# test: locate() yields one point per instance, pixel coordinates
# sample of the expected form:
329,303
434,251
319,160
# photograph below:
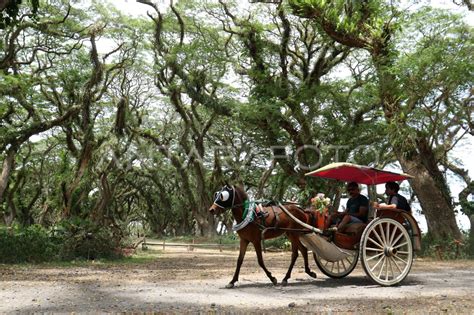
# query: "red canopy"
349,172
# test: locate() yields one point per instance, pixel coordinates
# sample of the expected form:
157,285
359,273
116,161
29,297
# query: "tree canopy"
117,119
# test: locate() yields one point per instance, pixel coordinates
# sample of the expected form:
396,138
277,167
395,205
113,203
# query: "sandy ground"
180,281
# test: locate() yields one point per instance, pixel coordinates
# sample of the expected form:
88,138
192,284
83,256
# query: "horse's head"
223,199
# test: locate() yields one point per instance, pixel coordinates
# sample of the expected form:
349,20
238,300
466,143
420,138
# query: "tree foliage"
135,121
374,28
10,11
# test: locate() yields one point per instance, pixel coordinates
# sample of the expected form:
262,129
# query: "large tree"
287,65
27,50
188,72
373,26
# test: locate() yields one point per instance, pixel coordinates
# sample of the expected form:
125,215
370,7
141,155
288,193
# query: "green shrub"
228,239
445,248
280,242
30,244
469,246
72,239
83,239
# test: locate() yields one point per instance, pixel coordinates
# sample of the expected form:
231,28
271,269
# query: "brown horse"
274,224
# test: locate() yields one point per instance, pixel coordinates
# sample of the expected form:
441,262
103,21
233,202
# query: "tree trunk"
228,225
4,4
106,195
204,220
8,164
12,215
71,201
204,225
372,194
438,212
415,156
470,249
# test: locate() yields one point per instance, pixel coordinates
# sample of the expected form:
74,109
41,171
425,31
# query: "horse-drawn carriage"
385,244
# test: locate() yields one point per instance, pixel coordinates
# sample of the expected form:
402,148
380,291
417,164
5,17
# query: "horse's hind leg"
240,260
294,256
258,249
304,253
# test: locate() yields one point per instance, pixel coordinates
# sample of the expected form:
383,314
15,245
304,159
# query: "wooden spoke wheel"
386,251
338,269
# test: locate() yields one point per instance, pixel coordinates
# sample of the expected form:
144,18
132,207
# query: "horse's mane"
241,192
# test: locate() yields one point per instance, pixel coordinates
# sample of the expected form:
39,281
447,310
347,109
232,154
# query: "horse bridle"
233,198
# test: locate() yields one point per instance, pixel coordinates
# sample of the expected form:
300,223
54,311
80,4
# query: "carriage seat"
350,237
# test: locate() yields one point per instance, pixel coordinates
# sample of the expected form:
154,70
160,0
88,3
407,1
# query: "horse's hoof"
274,280
312,274
229,286
284,282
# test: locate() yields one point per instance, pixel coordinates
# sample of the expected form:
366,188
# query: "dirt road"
191,282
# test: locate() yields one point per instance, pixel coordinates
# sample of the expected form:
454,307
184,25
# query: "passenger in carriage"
395,200
357,209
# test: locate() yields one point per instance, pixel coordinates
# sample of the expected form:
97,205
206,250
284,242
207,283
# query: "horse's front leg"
294,256
304,253
258,249
240,260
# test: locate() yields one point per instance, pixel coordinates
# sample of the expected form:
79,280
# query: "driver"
357,209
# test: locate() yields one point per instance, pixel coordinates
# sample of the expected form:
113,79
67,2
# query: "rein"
249,213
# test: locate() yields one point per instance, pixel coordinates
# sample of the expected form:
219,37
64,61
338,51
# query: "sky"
463,151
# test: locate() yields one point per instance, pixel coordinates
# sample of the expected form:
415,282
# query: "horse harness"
274,224
262,218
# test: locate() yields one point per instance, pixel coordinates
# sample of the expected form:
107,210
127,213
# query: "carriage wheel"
386,251
338,269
